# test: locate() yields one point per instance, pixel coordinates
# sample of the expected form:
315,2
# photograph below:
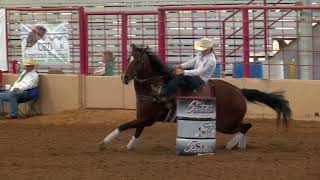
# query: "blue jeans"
13,98
191,82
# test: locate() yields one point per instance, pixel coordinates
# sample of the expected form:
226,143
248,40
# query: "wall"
57,92
71,92
104,92
108,92
60,92
302,95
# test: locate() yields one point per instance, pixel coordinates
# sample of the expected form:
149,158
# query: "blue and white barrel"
196,125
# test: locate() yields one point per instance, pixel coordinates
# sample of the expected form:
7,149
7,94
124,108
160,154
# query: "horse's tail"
274,100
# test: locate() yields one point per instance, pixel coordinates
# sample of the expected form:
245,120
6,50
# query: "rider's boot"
158,94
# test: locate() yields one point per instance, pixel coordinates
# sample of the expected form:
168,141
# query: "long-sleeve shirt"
100,69
26,80
201,65
106,69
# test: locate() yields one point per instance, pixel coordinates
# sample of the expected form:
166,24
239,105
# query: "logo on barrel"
206,130
197,147
197,106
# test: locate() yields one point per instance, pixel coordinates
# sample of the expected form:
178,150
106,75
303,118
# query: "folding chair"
33,108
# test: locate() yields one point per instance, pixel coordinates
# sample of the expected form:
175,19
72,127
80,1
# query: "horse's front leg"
135,138
114,134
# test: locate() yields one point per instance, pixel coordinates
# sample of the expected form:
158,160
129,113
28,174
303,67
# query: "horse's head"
36,34
138,65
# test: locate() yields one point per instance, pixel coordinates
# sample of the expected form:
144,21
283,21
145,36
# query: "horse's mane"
155,62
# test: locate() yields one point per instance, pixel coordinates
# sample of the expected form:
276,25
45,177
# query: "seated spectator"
24,89
107,65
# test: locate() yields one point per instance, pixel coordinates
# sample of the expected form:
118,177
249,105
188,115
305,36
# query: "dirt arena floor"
64,147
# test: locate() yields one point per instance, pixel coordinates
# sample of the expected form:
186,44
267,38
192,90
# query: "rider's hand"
178,66
179,72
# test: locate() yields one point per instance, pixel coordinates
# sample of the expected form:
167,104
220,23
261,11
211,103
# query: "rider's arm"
201,69
189,64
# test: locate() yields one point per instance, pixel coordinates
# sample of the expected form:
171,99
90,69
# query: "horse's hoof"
123,149
129,148
102,146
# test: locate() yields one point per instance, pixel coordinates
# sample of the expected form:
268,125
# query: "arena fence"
249,41
116,31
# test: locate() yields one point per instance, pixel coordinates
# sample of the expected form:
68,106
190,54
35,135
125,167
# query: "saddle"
170,102
183,90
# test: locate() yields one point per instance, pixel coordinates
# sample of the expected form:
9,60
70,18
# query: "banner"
47,44
3,41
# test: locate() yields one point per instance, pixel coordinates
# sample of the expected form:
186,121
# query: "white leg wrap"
111,136
132,143
234,141
243,142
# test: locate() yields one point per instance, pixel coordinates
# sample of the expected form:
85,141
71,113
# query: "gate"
116,31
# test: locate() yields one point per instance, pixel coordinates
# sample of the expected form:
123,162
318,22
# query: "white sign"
3,42
47,44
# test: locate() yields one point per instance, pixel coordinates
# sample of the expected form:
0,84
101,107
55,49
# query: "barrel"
256,70
196,125
217,71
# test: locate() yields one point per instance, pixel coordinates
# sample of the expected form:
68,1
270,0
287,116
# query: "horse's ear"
133,46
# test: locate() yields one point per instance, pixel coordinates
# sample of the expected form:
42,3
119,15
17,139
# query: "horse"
145,68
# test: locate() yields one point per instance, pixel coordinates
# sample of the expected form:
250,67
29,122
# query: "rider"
194,72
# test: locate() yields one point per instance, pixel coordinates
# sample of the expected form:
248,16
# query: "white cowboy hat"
203,44
29,62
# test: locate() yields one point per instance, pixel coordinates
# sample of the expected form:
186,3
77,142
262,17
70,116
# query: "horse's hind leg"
135,138
239,138
116,132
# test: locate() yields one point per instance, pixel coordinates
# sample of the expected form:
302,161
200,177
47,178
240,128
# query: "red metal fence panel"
245,38
116,31
249,41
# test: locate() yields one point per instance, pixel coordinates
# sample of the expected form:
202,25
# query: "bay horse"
145,68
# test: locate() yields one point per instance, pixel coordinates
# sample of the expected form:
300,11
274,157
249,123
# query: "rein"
144,80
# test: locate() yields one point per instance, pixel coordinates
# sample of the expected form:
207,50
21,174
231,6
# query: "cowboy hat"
29,62
203,44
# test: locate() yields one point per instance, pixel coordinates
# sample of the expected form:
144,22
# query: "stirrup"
156,90
159,99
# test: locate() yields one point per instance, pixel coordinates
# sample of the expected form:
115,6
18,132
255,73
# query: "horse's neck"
142,88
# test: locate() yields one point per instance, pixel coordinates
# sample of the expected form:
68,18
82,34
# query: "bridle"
146,71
